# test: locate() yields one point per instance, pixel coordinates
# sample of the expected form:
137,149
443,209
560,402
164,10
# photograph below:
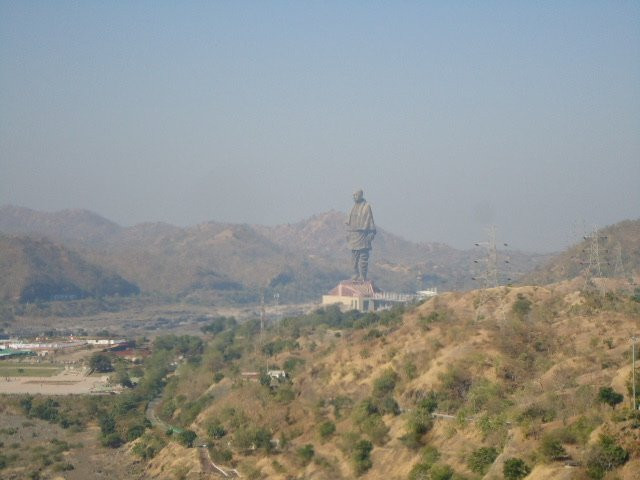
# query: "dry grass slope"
523,377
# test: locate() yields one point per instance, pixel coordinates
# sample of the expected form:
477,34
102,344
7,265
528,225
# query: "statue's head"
358,195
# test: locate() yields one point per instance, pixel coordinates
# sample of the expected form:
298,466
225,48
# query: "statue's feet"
356,278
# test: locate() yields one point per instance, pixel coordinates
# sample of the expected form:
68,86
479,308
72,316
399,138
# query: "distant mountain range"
215,260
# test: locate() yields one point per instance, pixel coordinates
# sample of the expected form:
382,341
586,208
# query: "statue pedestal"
356,288
352,295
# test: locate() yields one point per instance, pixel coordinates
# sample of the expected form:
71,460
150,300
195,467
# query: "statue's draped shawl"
360,226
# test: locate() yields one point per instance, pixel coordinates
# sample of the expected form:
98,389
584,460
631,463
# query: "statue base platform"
355,288
353,295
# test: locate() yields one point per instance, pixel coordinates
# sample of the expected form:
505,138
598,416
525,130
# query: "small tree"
605,456
480,459
522,306
100,362
362,456
515,469
107,424
385,383
112,440
187,437
306,453
609,396
551,447
216,430
326,429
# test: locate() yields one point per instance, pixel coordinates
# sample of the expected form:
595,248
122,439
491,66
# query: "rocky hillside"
537,386
37,269
216,260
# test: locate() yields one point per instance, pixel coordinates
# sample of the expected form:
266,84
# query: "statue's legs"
355,260
363,264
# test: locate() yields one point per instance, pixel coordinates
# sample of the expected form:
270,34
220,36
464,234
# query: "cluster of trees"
333,317
46,408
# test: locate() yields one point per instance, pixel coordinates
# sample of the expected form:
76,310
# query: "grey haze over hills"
215,260
34,268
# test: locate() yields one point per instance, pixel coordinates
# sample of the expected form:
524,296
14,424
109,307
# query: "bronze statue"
360,233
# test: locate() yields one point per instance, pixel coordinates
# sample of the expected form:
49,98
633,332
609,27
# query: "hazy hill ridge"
37,269
618,252
300,260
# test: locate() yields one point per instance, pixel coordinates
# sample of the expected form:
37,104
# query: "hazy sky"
450,115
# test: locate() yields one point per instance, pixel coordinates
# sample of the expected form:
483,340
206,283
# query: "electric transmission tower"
594,264
490,278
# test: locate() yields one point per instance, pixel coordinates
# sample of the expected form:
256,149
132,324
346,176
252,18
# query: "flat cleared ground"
64,383
21,369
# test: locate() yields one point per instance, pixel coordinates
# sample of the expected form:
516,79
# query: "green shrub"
456,383
326,429
292,363
248,437
26,403
107,424
186,438
522,306
410,370
285,395
339,404
480,459
385,383
605,456
441,472
46,409
420,471
148,446
388,404
216,430
305,453
111,440
221,455
579,431
429,454
63,467
609,396
362,456
551,447
134,431
375,428
515,469
535,412
419,422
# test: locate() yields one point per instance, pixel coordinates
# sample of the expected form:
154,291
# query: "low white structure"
45,345
105,341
